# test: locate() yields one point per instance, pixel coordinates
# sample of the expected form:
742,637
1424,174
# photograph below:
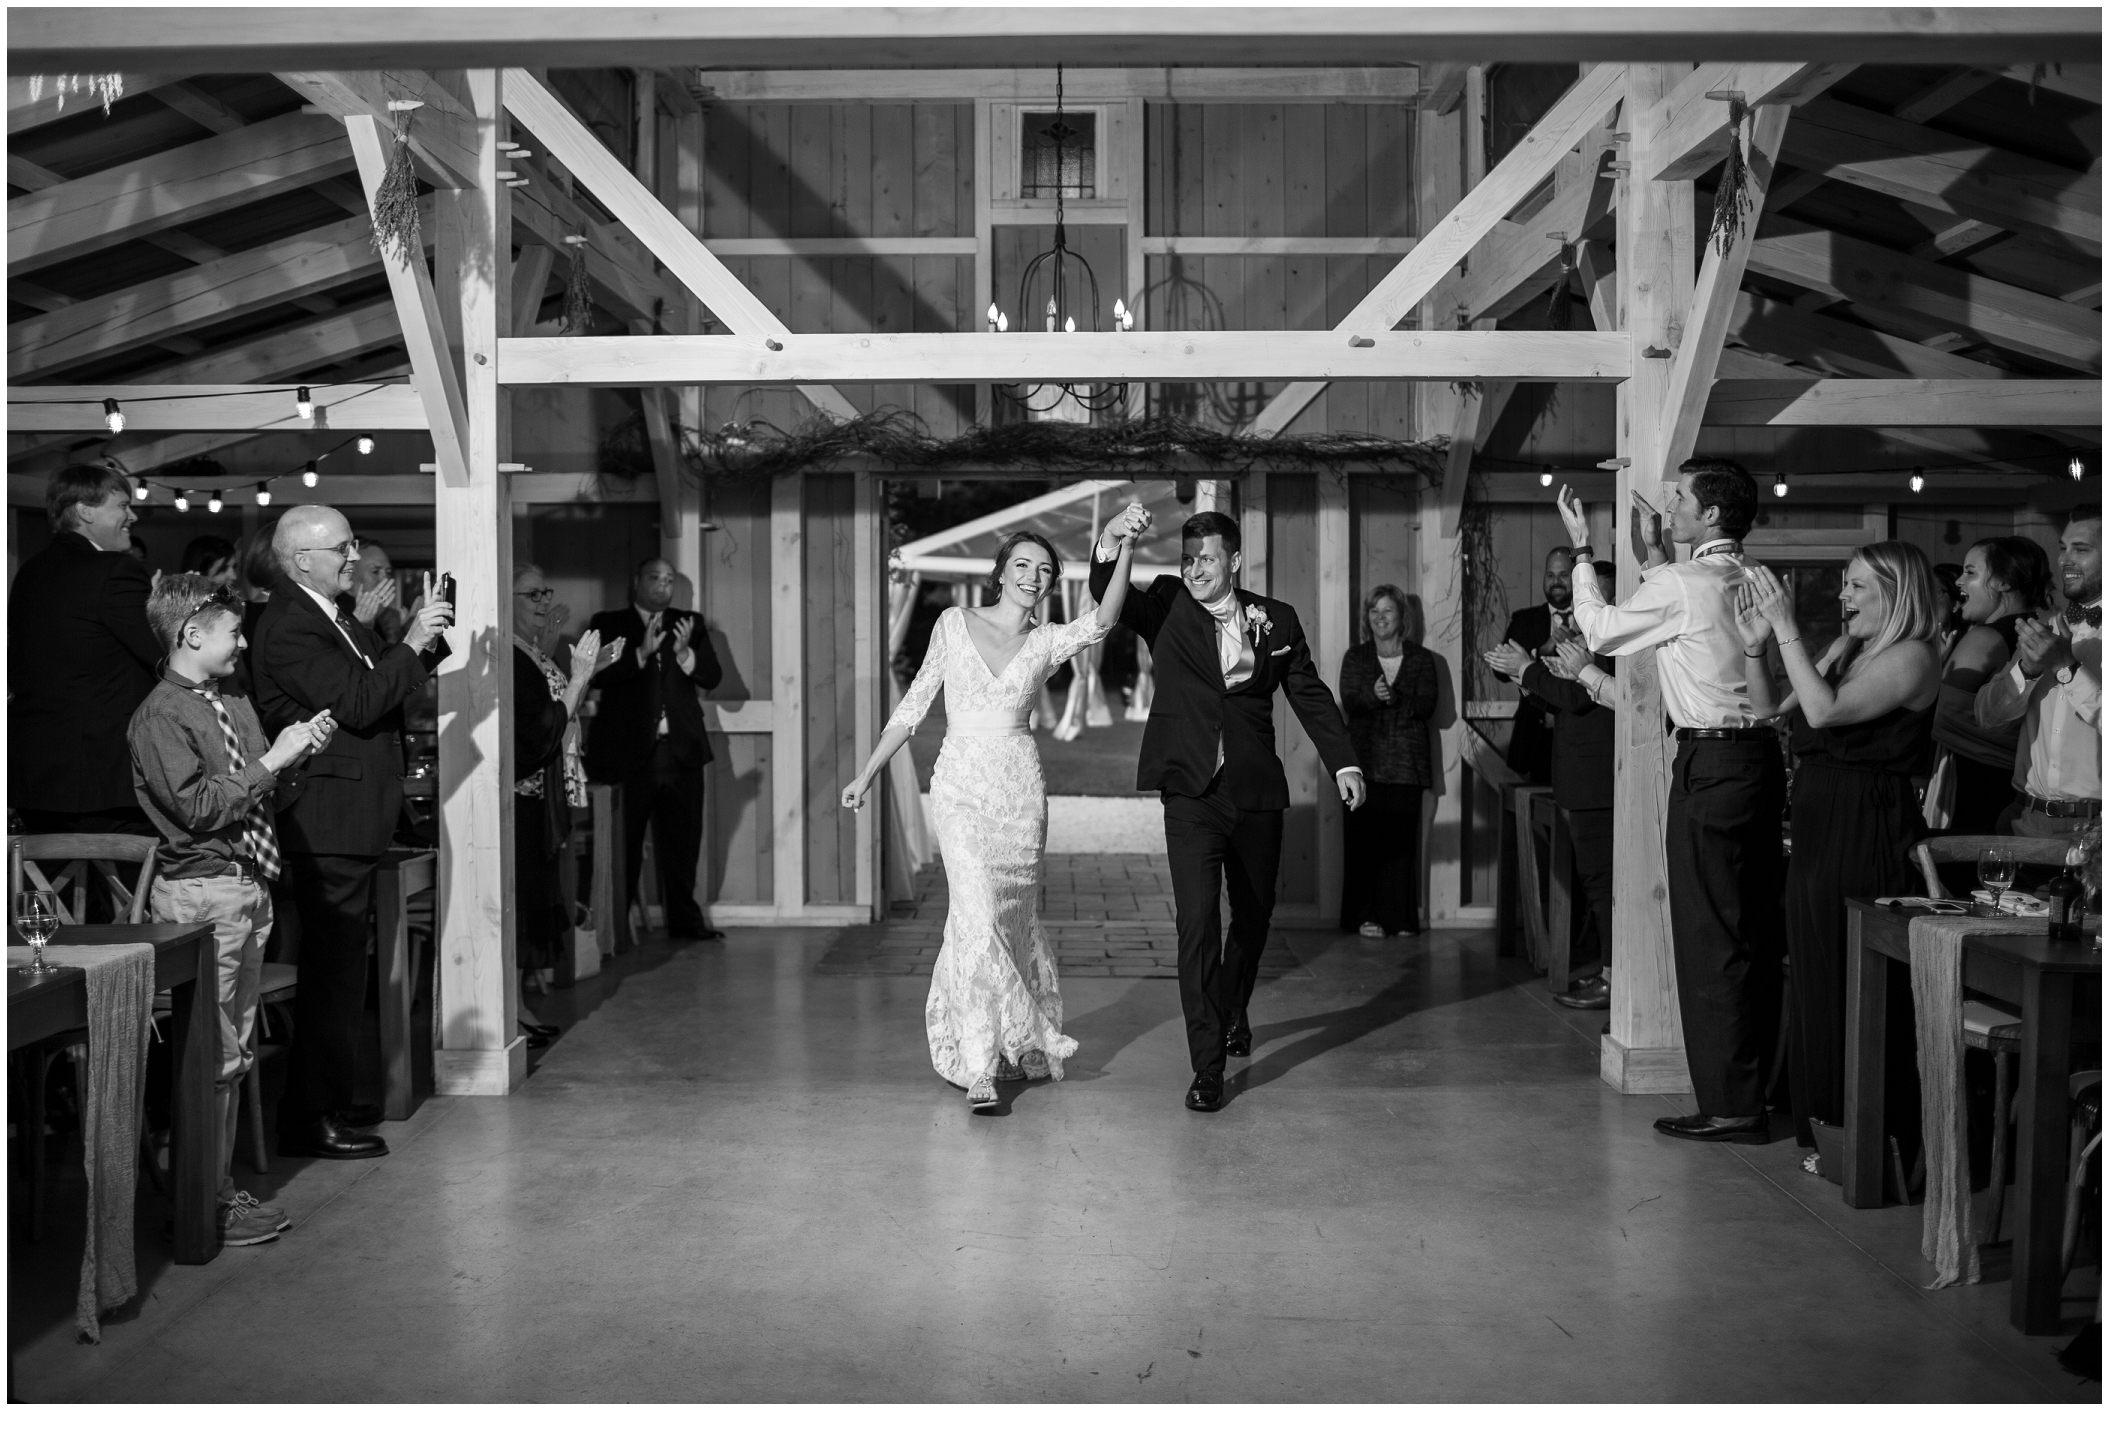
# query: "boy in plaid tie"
202,771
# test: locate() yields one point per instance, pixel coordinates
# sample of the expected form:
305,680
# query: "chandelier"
1065,278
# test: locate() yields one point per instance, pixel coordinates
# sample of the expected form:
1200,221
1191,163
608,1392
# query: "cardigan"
1391,738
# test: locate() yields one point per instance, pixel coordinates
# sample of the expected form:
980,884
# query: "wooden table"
2049,981
184,964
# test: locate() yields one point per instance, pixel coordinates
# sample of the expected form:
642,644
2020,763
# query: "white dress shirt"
2060,755
1689,610
687,668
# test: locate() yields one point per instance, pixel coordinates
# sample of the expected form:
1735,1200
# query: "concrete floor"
732,1180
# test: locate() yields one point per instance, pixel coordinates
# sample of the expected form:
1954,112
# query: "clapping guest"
211,557
1388,689
1947,583
1536,629
1861,716
376,596
2003,580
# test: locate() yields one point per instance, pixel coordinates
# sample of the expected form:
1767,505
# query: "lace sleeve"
1065,639
923,691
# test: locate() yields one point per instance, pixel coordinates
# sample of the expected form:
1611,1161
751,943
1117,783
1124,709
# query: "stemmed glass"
1995,869
37,918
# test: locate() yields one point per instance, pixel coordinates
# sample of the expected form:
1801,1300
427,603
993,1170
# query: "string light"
2076,469
310,476
263,494
304,404
1545,478
1779,484
139,491
112,417
366,446
213,505
182,501
1918,479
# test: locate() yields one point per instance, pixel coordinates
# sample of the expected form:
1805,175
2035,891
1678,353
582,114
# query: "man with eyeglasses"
312,654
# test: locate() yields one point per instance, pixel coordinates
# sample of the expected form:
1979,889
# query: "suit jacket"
637,691
1193,712
80,660
351,792
1530,742
1584,738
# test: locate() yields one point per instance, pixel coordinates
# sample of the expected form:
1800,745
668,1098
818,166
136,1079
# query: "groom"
1219,654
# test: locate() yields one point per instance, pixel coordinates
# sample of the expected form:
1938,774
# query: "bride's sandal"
982,1096
1009,1072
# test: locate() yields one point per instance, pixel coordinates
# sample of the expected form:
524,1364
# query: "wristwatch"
1579,553
2065,673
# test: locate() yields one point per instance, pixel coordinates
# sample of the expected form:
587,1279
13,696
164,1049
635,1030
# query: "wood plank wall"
739,799
1292,576
832,755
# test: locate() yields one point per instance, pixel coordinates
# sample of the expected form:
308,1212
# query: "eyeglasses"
539,594
221,597
349,551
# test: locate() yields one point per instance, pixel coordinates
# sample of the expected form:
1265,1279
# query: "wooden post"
480,1054
1644,1050
788,688
1331,632
869,668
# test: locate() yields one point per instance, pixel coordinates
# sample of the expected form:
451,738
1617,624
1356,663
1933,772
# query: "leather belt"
1723,734
2062,806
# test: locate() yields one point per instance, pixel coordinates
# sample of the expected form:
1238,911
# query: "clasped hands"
2041,647
1125,529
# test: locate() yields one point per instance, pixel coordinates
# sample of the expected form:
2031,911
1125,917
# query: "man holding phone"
312,654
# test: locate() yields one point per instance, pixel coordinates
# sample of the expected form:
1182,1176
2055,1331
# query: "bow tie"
1224,609
2076,614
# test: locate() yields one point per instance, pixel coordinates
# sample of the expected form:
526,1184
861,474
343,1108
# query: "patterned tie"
2076,614
338,616
259,842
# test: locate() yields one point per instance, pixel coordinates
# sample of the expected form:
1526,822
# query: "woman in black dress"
1387,686
2004,579
1861,715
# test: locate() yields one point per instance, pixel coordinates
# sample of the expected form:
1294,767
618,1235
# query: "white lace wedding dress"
995,1004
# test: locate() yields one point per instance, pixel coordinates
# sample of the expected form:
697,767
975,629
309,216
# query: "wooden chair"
32,865
2040,851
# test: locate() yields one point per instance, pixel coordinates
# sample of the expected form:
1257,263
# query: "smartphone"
446,588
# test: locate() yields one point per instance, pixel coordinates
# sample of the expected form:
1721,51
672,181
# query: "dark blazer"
80,660
1193,711
1584,738
637,691
1530,742
539,721
351,792
1391,737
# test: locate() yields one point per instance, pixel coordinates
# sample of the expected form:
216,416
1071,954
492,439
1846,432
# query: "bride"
995,1008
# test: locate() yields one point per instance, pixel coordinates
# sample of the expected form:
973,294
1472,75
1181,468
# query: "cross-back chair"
2034,851
34,864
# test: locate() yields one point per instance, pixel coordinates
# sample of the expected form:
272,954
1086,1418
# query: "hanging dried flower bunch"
578,293
395,220
105,87
1731,203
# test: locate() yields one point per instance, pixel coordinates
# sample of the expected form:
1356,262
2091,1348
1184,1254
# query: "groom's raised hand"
1351,789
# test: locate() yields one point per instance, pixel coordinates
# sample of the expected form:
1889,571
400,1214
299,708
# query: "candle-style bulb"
304,404
1069,325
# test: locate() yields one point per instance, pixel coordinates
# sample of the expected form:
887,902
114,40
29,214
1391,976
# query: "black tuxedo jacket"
1193,711
1584,740
637,691
1530,742
80,660
350,793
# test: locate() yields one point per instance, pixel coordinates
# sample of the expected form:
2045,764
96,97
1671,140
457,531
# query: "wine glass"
1995,869
37,918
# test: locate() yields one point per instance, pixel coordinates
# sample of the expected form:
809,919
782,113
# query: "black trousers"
670,798
1212,843
1590,827
1380,878
1725,876
333,896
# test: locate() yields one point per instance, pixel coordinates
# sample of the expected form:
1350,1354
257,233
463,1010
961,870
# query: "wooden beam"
620,273
1714,302
1834,345
2081,81
417,312
787,689
1692,131
1267,245
442,132
50,103
2019,320
1520,260
1850,401
1187,84
237,40
1442,86
1449,240
173,305
294,350
1944,95
1948,174
194,104
1599,283
844,246
1028,356
339,407
656,228
530,284
171,187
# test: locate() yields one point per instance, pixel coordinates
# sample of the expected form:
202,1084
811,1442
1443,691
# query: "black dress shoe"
1595,993
1237,1042
330,1138
1701,1128
697,934
534,1030
359,1115
1206,1094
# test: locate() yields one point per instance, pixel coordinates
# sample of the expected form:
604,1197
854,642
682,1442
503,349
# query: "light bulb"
213,505
139,491
1069,325
1779,488
1545,478
304,404
263,495
112,417
1918,479
1003,321
995,316
366,446
2076,469
1120,309
310,477
182,501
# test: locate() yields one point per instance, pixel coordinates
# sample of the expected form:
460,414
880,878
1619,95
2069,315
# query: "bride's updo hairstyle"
1011,544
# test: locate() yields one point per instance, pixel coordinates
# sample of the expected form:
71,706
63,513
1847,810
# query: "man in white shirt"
2055,687
1727,793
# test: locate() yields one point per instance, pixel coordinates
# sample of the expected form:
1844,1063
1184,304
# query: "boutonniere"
1256,621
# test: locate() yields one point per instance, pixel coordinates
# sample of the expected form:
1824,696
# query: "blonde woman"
1862,715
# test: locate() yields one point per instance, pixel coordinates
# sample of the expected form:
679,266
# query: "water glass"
1995,869
37,918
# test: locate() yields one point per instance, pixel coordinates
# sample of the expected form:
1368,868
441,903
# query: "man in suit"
1580,690
80,660
1536,630
647,737
1208,750
312,654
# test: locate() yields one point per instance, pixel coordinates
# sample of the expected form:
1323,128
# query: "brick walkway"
1109,915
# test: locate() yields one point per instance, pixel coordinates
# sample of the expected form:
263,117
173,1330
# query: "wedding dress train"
995,1003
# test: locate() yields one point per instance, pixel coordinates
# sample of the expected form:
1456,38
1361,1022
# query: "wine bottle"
2063,894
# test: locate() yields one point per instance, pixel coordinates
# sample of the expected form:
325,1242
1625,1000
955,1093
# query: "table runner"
1948,1235
120,984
